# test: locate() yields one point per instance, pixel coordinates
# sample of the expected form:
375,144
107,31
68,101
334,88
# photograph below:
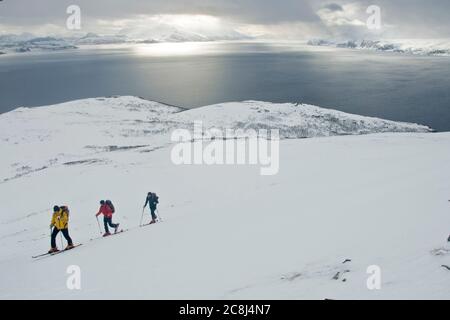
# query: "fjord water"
391,86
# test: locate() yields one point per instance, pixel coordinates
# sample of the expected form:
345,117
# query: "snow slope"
376,199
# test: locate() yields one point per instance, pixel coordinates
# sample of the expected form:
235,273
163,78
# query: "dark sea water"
392,86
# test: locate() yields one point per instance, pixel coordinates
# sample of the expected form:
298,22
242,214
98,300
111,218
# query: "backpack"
64,209
110,205
154,199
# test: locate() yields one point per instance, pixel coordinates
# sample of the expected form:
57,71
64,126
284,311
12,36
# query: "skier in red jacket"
107,209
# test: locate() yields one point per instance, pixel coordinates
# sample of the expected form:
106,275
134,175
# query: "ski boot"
107,234
153,221
70,246
53,250
117,228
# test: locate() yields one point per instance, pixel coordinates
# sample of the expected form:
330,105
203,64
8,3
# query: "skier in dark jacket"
152,201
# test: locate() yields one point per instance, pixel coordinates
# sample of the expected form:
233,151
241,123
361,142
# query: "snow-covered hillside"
95,127
375,199
430,47
293,120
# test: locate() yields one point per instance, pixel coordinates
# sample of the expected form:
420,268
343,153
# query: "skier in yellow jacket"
60,222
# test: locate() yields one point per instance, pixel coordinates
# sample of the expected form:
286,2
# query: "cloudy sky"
289,19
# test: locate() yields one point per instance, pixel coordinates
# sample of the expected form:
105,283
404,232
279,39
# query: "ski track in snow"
339,204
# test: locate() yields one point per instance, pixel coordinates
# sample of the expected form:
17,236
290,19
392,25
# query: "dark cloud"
249,11
333,7
405,18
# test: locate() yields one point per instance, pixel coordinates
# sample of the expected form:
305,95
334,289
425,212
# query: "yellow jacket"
60,220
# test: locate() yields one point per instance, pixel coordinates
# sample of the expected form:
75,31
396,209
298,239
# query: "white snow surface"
376,196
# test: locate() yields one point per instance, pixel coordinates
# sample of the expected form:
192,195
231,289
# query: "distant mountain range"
27,42
430,47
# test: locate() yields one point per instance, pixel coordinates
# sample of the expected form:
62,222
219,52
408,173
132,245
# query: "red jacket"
105,210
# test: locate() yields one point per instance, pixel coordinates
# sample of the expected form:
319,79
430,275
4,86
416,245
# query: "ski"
149,224
56,253
111,235
116,233
41,255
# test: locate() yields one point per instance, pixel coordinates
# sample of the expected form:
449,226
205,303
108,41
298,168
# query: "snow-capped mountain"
94,39
159,33
339,205
440,47
183,36
161,30
27,42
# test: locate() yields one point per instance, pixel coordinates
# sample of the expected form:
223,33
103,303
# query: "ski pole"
98,223
159,216
61,238
142,216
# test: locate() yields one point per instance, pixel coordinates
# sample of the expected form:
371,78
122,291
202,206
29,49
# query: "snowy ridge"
91,126
293,120
103,125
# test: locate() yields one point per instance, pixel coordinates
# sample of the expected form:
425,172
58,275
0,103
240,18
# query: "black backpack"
110,205
153,199
65,209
